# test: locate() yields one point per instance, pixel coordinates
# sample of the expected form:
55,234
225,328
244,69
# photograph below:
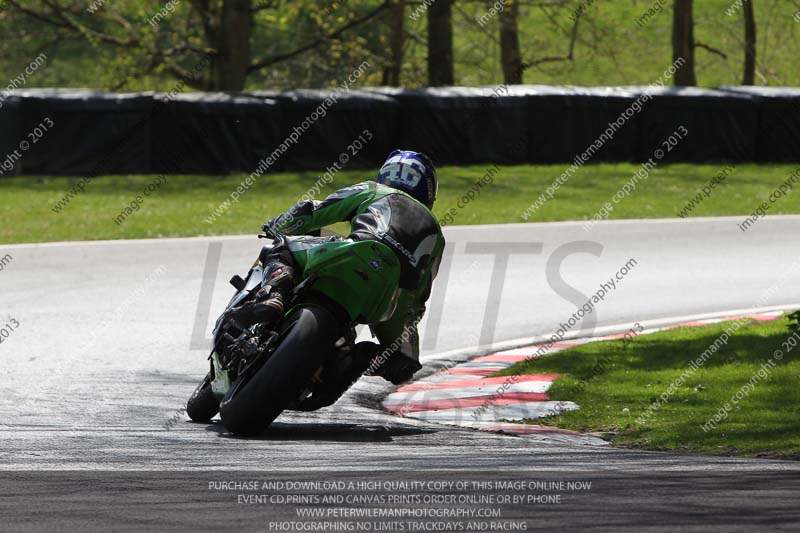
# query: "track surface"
100,366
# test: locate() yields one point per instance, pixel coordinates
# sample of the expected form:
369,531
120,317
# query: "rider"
394,210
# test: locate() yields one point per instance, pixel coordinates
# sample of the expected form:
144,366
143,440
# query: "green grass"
615,385
181,206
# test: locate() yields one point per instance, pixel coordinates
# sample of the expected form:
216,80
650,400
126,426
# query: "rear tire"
202,405
259,395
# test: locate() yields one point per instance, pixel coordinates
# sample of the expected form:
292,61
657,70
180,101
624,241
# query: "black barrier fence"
778,128
214,133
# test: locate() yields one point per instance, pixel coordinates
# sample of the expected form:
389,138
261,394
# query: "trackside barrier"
216,133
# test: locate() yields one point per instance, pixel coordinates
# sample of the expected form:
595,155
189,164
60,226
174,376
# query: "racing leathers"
392,217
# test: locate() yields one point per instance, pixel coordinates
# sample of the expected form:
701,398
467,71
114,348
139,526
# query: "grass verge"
646,395
181,206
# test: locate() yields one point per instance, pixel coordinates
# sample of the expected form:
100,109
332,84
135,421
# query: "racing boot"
398,368
268,305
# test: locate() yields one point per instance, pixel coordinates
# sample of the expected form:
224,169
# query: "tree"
440,43
683,44
231,38
207,44
749,76
510,56
391,73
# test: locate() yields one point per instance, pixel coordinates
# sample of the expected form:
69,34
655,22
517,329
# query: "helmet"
411,172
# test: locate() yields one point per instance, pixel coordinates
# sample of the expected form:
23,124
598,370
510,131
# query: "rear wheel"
202,405
261,393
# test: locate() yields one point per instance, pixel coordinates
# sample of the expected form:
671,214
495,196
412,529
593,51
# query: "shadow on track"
281,431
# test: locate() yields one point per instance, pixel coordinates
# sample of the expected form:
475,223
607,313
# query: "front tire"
259,395
202,405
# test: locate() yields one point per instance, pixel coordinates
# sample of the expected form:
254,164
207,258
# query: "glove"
398,369
270,227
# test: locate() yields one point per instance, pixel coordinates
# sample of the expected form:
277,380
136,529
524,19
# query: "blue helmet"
411,172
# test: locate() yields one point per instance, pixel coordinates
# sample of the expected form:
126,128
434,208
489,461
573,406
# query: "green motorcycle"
306,360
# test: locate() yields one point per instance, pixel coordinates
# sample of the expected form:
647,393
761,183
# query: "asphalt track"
101,363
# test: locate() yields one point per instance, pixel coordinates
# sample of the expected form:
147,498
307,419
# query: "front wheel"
202,405
260,394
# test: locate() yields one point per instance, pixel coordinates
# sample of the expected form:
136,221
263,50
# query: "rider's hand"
269,227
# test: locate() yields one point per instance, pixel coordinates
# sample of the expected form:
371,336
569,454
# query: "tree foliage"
279,44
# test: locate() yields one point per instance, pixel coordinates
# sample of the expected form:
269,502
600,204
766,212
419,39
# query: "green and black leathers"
384,214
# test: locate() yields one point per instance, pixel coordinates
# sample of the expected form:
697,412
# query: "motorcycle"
306,360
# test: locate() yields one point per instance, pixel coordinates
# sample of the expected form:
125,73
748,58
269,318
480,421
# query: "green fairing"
361,276
344,205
